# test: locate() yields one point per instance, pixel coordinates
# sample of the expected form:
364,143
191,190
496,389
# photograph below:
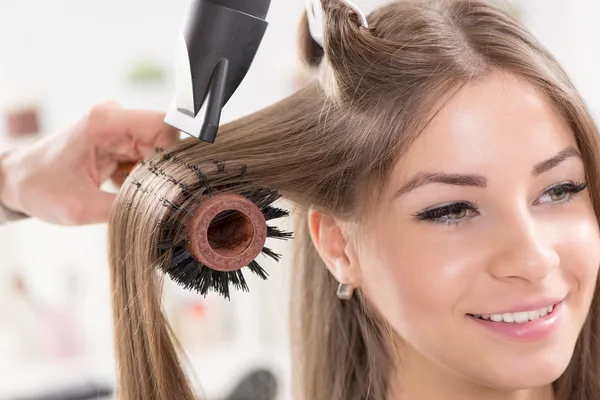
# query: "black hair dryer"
215,49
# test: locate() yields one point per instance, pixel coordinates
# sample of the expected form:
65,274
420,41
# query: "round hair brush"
216,229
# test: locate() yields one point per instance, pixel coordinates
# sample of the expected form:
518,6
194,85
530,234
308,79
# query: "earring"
344,291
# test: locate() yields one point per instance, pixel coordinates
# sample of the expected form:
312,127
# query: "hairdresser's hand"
58,178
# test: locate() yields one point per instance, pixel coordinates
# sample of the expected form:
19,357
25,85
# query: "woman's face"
487,227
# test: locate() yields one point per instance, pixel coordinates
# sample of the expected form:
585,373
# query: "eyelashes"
458,212
448,214
561,189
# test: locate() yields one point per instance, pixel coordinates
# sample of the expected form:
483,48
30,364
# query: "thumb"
97,207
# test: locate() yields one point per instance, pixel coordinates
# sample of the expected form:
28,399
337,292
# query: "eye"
449,214
561,193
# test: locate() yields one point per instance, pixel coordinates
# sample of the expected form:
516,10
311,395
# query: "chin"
535,379
527,372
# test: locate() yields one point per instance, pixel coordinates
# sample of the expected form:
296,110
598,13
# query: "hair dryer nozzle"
216,47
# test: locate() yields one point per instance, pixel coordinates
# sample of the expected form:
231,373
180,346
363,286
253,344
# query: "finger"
145,126
122,172
147,149
144,129
97,207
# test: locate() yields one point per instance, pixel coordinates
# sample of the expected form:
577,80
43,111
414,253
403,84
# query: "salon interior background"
58,58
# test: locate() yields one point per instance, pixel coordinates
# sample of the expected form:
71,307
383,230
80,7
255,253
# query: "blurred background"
60,57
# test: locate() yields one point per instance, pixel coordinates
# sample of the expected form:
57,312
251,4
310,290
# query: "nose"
524,251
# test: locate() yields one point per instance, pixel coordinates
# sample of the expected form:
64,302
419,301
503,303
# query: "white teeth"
521,317
534,315
518,317
496,317
508,317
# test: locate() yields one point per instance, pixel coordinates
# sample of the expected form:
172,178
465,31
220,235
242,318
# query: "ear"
330,238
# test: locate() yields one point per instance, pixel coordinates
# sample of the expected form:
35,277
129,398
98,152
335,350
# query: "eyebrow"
479,181
550,163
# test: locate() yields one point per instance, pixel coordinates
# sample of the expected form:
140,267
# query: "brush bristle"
274,213
277,233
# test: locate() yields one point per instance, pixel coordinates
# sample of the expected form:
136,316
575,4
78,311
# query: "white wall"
568,29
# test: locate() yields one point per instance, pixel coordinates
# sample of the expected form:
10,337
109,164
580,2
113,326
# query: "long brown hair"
327,146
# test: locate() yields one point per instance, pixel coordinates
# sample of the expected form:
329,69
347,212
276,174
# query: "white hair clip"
316,18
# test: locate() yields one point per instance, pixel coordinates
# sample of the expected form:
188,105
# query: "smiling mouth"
518,317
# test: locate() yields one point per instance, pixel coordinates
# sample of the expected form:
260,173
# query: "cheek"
416,279
579,251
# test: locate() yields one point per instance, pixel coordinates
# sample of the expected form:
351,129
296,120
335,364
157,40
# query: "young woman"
445,173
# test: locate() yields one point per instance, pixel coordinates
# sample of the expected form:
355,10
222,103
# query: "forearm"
6,214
